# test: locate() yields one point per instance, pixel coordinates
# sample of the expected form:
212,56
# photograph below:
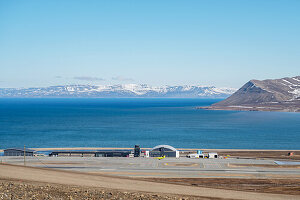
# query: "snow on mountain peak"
125,90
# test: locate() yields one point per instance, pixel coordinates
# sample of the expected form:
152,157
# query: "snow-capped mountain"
266,95
126,90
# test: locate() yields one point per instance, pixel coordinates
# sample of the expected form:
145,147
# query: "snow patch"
240,106
126,90
295,79
296,93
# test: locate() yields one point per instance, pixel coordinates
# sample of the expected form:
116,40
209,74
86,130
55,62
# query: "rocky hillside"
267,95
111,91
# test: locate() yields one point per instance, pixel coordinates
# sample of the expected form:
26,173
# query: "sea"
125,122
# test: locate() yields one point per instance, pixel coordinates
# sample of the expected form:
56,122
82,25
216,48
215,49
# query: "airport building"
101,153
112,153
164,150
18,152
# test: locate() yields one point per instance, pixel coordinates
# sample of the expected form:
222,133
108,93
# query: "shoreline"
232,153
251,108
147,148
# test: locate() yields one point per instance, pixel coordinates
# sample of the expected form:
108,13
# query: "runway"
93,180
166,168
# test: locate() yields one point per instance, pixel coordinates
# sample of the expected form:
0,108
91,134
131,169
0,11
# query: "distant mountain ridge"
126,90
267,95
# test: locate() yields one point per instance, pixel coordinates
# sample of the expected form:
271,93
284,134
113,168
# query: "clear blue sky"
222,43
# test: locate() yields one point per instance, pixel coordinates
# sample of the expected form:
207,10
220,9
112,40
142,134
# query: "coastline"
129,148
278,154
251,108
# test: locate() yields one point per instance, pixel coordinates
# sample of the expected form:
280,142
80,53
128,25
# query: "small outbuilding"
213,155
164,150
195,155
18,152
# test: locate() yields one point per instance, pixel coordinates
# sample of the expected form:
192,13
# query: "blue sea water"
148,122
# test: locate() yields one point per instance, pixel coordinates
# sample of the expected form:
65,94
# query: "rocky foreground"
13,189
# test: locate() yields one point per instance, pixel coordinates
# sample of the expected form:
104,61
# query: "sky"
170,42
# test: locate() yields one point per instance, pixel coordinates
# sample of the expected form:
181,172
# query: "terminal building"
18,152
100,153
164,150
157,151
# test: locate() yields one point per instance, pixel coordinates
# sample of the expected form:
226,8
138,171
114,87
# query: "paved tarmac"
168,167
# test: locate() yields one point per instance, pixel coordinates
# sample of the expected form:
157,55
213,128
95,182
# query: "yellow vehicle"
159,158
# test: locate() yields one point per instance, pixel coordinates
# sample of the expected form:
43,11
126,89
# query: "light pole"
24,156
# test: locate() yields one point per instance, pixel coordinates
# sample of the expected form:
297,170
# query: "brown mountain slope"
267,95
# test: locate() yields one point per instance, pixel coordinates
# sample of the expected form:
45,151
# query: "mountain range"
266,95
126,90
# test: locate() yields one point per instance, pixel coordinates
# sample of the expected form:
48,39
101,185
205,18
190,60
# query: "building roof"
89,152
164,146
19,149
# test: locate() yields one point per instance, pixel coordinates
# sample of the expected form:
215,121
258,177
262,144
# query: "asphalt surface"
168,167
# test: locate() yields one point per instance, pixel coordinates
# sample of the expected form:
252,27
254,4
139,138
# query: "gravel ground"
274,186
13,189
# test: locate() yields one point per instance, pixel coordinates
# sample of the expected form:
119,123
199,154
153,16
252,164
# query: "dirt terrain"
18,189
262,154
275,186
